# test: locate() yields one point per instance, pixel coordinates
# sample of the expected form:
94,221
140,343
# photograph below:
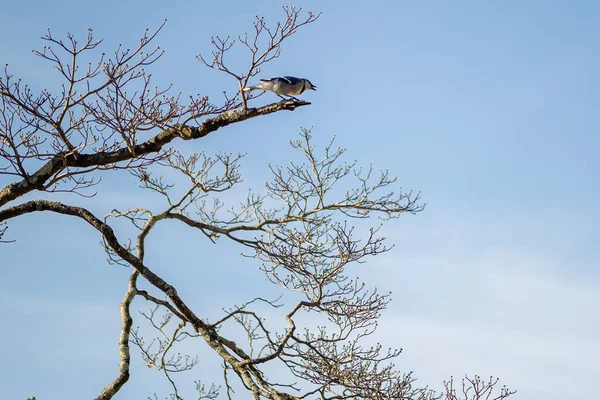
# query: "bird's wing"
291,80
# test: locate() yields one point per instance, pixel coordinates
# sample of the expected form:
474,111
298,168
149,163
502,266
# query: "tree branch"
124,354
248,373
63,160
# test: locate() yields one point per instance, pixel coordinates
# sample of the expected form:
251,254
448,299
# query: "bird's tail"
264,84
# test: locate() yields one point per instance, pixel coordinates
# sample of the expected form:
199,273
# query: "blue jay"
284,86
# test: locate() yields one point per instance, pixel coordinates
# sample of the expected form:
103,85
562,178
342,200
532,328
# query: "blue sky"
488,108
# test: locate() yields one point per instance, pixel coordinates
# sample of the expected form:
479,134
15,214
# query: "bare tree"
108,118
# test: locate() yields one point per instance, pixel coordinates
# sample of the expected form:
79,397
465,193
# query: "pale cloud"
477,302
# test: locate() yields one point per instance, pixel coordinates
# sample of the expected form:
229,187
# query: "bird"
284,86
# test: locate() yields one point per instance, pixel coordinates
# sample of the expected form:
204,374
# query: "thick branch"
63,160
250,376
124,354
111,239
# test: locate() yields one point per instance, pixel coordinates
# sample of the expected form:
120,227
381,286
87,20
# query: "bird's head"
309,85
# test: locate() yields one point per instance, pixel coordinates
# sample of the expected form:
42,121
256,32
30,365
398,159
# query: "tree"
107,118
